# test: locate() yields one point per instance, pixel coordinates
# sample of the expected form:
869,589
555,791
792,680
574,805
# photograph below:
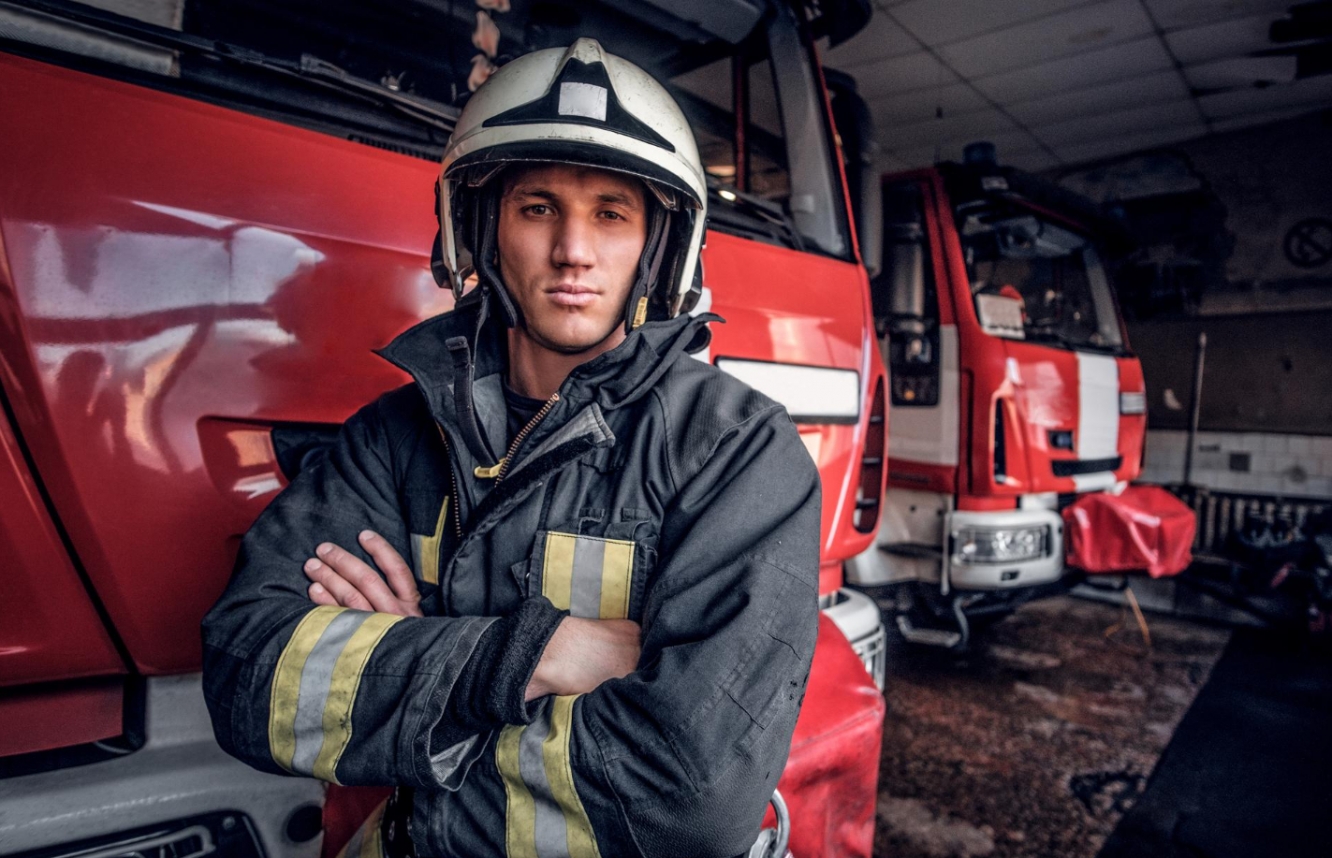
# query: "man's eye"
538,209
613,215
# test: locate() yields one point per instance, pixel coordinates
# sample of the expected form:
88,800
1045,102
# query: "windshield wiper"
772,214
1047,337
1061,340
310,68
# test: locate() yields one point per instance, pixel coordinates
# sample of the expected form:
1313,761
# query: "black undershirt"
520,410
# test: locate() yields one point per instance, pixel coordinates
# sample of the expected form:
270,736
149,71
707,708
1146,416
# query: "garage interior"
1071,728
1112,713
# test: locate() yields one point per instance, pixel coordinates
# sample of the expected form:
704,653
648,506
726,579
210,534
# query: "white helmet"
580,106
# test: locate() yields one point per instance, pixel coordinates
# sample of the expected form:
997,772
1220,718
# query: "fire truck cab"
211,212
1013,390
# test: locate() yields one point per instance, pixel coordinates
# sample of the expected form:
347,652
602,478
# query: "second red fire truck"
1013,393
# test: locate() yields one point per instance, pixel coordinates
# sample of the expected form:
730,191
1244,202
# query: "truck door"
50,630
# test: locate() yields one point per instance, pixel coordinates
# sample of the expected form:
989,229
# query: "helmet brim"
576,153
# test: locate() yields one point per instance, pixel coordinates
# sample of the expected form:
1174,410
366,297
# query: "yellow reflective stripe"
617,570
428,559
557,570
559,772
342,692
520,816
287,683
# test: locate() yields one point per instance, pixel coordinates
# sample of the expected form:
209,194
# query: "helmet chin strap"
649,266
485,241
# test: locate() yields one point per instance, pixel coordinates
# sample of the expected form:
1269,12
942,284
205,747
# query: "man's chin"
568,343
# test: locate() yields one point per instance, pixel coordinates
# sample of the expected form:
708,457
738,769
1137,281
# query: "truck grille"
224,835
872,650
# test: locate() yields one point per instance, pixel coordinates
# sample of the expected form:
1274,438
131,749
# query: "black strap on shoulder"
461,352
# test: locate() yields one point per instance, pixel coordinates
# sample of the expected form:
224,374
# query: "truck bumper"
180,774
963,574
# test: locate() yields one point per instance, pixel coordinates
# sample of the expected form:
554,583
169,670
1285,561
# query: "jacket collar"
613,379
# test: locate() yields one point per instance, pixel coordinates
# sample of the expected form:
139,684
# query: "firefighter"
561,590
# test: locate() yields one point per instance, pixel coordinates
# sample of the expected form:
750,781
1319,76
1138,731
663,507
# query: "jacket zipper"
503,466
453,483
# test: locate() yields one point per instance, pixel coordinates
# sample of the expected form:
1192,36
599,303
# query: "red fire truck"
211,211
1013,391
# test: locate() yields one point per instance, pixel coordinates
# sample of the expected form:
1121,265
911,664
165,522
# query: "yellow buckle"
489,473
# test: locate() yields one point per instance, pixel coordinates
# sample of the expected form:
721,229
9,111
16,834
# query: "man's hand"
342,579
582,654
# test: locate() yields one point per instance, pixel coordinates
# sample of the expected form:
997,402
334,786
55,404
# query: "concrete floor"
1037,742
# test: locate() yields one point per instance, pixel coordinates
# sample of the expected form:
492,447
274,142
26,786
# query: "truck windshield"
1034,279
395,73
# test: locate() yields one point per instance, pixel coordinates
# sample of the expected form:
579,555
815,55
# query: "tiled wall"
1250,462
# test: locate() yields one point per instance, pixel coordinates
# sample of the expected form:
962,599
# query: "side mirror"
902,301
855,127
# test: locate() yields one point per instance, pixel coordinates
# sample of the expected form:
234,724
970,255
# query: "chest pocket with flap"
589,576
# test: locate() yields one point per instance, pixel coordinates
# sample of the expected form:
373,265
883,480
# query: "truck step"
927,636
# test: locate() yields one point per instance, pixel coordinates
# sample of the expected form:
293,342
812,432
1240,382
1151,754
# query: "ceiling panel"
1075,31
971,126
1120,62
1154,88
1068,81
1249,120
1172,14
902,74
1105,148
1313,93
1121,123
921,104
880,39
1240,73
939,23
1224,39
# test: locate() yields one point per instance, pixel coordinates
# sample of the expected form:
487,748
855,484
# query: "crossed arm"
580,656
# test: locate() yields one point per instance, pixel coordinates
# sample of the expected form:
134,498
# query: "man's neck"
538,371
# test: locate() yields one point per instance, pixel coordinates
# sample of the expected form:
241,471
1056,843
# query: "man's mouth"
572,295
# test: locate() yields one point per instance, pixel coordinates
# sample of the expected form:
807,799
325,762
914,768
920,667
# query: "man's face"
569,243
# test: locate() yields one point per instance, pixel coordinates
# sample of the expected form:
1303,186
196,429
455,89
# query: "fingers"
333,585
351,581
397,571
320,596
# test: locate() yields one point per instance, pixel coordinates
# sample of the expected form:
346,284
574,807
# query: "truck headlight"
1001,544
1133,402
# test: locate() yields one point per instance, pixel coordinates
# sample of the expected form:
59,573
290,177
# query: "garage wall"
1232,230
1263,372
1226,224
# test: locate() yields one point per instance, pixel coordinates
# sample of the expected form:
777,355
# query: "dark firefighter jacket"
655,487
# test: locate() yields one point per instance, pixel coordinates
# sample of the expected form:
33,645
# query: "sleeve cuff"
525,634
490,690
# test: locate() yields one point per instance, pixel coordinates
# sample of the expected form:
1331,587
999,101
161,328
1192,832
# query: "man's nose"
575,244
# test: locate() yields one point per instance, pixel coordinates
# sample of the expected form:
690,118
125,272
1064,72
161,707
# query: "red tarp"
1144,529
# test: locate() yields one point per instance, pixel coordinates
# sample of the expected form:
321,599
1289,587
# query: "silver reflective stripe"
316,678
585,596
551,840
